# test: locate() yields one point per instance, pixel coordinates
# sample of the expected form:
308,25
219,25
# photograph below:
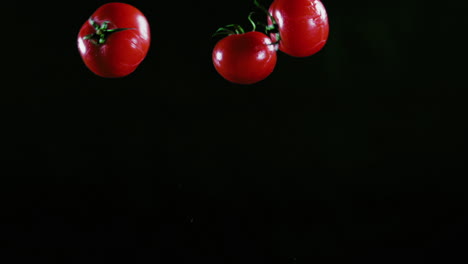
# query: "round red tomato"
114,40
302,24
244,58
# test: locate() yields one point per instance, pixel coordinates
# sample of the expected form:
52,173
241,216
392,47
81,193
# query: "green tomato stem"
268,29
257,4
273,28
226,30
102,32
93,24
254,26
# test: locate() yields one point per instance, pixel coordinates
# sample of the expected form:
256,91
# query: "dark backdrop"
355,153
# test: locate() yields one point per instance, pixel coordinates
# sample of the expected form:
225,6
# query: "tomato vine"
267,29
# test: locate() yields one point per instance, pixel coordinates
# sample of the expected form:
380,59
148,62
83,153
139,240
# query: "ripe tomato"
244,58
114,40
302,24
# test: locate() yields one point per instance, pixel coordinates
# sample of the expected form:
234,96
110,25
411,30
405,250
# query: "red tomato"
114,40
302,24
244,58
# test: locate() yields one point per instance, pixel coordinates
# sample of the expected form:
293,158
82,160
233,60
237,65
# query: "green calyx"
102,32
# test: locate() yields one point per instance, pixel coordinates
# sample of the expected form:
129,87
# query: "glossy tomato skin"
122,51
303,26
244,58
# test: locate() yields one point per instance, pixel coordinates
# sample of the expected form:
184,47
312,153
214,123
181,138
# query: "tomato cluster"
116,39
298,28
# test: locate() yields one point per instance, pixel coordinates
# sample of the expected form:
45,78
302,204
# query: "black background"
355,153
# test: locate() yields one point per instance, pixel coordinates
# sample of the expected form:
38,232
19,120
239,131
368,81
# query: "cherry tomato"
114,40
244,58
302,24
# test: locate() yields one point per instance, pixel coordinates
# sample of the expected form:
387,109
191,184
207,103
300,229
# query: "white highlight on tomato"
261,55
321,11
144,28
219,55
279,18
312,23
81,46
